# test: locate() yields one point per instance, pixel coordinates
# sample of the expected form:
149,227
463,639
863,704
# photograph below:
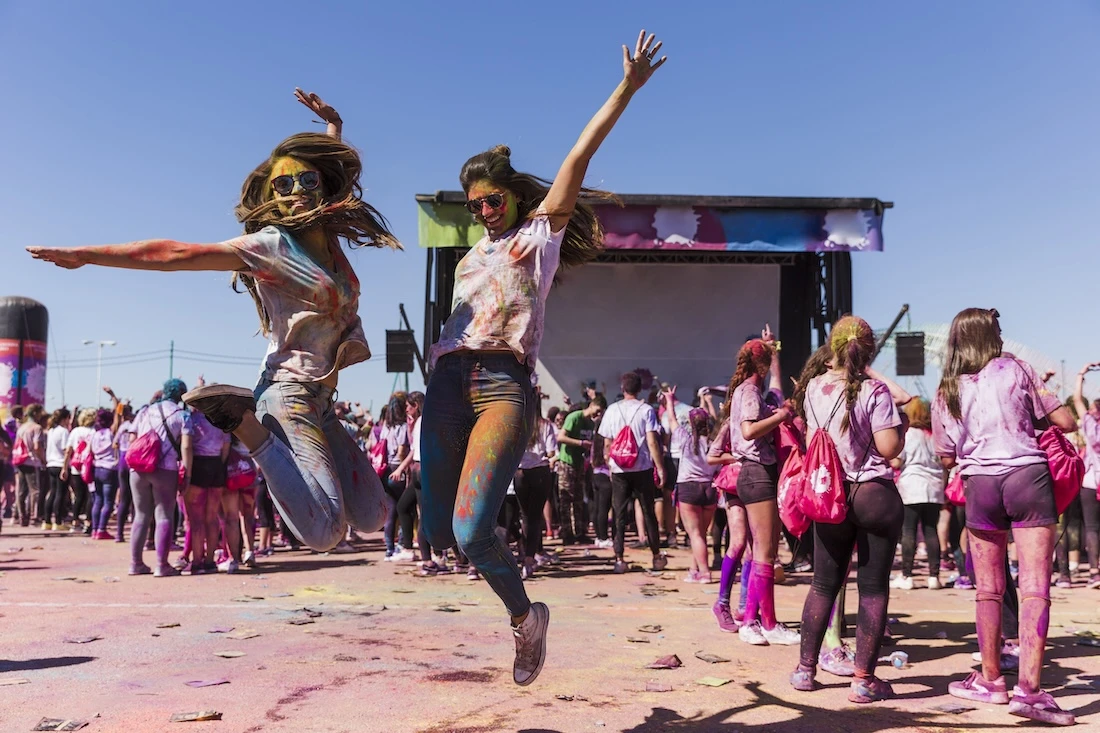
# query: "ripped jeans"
315,473
479,413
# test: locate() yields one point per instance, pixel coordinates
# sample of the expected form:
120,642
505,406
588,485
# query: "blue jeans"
316,475
479,413
106,488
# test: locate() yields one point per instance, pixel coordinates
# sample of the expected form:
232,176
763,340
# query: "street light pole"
99,367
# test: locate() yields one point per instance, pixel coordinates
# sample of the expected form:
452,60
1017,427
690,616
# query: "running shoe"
142,569
802,679
1039,706
839,661
605,544
621,567
1064,582
230,566
1094,581
223,405
249,559
530,644
870,690
660,562
977,688
165,571
472,574
726,622
902,582
963,583
934,583
752,633
782,636
345,548
1010,657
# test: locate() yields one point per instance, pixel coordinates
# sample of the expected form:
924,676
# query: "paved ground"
383,655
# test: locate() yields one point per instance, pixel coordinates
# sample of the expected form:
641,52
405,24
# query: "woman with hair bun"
479,408
296,207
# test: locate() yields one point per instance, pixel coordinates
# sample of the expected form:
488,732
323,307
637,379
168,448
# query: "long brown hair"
753,359
815,366
583,238
973,341
853,345
342,214
919,415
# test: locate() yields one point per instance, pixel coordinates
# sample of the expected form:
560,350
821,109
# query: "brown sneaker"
222,404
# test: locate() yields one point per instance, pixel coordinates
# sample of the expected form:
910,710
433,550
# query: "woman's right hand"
70,259
638,68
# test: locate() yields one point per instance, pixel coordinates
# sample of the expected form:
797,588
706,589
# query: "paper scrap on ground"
710,658
168,625
206,683
712,681
593,596
300,621
228,655
59,724
953,708
220,630
651,629
637,640
670,662
658,687
243,634
13,681
191,717
81,639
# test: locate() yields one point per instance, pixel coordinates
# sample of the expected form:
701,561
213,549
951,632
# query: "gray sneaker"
222,404
530,644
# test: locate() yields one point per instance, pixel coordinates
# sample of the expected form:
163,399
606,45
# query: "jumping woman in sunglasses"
296,207
480,407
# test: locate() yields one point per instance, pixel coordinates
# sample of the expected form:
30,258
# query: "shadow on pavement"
10,665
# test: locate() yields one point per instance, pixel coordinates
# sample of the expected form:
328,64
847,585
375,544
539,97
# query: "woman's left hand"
325,111
638,68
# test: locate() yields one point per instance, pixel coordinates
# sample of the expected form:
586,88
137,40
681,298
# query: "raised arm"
150,254
1079,402
899,395
637,69
326,112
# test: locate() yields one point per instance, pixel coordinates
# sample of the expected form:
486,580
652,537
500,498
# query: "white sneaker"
752,634
934,583
781,635
605,544
530,644
229,566
902,582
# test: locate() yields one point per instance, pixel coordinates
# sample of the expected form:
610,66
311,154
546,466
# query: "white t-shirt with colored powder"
642,420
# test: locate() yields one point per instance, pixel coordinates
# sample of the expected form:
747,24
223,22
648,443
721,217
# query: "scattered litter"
710,658
1088,642
81,639
593,596
36,547
343,658
469,603
168,625
228,655
300,621
649,589
206,683
83,580
571,698
312,613
14,681
637,640
712,681
65,577
220,630
941,634
59,724
448,609
1084,633
111,579
191,717
281,595
651,629
247,599
403,590
670,662
243,634
13,550
953,708
658,687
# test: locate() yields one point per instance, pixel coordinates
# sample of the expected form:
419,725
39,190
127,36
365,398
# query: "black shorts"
697,493
757,482
1023,497
208,472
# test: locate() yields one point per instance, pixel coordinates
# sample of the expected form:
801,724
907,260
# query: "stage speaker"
400,350
909,348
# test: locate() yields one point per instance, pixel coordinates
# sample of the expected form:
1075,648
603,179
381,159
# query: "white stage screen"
683,322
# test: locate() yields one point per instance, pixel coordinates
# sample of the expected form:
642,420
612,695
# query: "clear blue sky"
129,120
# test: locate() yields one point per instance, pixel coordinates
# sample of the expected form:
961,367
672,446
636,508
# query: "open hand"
766,335
326,112
638,68
70,259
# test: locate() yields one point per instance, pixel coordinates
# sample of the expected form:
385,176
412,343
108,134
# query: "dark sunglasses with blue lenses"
284,185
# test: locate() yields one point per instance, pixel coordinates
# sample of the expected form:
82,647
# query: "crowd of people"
473,467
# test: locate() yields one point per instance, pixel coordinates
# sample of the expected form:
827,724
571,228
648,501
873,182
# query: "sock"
725,585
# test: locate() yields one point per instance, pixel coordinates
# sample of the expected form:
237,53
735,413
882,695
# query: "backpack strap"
168,431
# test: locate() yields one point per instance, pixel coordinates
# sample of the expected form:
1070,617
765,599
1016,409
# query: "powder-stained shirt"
921,479
748,405
162,417
873,411
315,325
206,440
693,459
545,443
998,406
104,454
500,293
1090,430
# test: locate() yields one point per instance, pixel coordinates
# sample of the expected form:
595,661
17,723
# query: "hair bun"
502,150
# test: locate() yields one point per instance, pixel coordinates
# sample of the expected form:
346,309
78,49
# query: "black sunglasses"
284,185
495,201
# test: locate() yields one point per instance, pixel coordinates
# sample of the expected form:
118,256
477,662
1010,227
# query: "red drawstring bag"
1066,467
726,480
821,495
792,485
956,491
624,449
19,453
378,455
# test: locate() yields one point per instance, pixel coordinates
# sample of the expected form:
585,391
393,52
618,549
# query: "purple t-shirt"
693,460
175,419
874,410
998,405
207,441
748,405
103,449
395,437
1090,430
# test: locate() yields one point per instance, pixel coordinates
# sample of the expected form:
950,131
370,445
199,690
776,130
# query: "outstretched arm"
149,254
1079,402
637,69
326,112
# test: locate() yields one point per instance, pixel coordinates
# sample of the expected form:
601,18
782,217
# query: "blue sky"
130,120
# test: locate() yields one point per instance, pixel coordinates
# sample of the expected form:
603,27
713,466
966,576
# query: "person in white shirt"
632,474
57,437
921,487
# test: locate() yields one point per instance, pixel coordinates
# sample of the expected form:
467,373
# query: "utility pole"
171,358
98,367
